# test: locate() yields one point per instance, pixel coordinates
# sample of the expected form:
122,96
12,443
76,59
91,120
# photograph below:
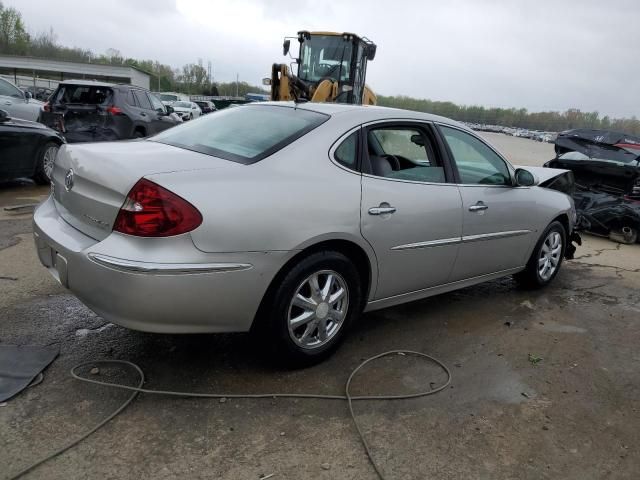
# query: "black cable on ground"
139,389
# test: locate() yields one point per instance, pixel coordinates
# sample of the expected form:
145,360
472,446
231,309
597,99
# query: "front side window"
8,90
404,153
155,103
244,134
476,162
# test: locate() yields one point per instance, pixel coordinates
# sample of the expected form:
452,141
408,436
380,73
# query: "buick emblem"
68,180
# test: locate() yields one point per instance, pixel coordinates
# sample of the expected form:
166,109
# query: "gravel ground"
571,415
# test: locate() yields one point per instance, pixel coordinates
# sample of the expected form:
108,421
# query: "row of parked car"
31,131
537,135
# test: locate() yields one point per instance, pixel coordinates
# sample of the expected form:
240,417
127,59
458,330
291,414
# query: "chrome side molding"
130,266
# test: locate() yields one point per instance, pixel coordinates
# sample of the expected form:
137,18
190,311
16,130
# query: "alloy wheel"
550,255
49,159
318,309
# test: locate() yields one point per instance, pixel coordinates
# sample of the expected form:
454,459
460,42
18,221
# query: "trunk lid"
91,181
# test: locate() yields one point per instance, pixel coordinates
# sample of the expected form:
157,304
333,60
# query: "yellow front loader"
332,67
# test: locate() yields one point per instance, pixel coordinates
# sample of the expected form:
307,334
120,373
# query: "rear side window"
347,153
131,99
142,99
243,134
84,95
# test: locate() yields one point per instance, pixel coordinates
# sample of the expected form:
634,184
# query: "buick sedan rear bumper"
128,281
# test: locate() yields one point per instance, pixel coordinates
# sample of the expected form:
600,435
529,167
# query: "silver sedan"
291,220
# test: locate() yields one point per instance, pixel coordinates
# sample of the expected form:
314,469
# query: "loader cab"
340,57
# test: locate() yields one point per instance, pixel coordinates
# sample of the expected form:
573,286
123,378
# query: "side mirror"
371,51
524,178
285,47
266,81
169,109
27,96
4,116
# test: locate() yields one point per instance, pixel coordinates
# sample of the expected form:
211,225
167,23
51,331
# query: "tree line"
192,78
513,117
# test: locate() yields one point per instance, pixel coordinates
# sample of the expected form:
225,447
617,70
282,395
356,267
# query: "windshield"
322,56
245,134
182,104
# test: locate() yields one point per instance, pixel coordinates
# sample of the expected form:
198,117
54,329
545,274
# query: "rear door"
18,146
411,210
144,112
497,217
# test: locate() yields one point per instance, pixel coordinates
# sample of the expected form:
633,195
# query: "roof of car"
95,83
366,112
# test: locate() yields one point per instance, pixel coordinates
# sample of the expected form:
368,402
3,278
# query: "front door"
496,232
410,214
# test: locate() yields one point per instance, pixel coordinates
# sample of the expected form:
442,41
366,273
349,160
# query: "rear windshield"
245,134
168,98
84,94
182,104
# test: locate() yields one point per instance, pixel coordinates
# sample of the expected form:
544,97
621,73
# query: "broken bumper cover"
199,292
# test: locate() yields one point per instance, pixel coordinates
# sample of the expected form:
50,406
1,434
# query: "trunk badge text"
68,180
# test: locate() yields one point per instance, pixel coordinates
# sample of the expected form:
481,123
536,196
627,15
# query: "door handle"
8,103
478,207
142,114
381,210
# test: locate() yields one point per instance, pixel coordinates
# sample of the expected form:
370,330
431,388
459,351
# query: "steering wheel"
393,160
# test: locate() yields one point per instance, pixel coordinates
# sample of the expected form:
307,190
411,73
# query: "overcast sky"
537,54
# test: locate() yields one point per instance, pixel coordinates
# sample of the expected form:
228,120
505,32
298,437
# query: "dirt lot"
572,415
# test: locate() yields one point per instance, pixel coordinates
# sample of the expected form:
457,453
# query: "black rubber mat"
19,365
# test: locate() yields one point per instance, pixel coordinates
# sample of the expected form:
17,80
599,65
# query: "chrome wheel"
318,309
550,255
49,159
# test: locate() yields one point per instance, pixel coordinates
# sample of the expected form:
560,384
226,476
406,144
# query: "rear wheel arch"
349,249
139,130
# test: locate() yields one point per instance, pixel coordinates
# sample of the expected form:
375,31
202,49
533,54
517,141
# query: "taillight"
113,110
46,107
153,211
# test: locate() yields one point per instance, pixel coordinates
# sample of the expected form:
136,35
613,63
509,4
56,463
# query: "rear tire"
45,162
306,316
546,259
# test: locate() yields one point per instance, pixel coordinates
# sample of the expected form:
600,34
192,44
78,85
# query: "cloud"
543,55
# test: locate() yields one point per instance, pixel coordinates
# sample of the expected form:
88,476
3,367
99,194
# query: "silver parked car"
17,103
290,220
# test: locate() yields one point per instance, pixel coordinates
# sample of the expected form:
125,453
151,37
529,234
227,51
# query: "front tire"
546,259
45,162
306,317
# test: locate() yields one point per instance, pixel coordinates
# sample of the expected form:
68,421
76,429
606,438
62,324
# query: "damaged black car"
606,168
